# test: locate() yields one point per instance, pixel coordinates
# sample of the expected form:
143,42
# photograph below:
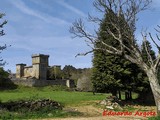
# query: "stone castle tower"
38,69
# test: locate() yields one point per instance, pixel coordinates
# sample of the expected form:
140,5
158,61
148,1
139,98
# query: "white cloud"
73,9
45,17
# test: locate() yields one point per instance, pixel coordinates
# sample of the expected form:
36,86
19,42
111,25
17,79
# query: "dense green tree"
3,75
55,72
114,73
5,83
68,70
110,72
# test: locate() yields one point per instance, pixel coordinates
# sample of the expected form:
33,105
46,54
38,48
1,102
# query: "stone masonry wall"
28,72
41,83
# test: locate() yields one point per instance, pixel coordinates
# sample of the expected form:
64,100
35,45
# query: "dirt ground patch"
100,118
89,110
93,113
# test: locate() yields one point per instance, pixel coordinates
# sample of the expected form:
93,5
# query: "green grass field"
55,93
58,93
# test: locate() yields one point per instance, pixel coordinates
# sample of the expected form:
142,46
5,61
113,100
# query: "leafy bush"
5,82
3,75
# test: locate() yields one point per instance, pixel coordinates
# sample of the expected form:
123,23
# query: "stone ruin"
36,75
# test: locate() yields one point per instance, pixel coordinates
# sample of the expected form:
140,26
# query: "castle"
38,69
36,75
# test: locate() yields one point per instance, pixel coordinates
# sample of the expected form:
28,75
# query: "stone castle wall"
28,72
42,83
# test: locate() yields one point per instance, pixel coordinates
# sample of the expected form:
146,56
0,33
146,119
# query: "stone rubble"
111,103
30,105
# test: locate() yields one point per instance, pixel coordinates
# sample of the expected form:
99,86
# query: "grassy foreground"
57,93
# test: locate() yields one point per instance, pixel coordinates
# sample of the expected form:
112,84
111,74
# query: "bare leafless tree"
2,23
129,9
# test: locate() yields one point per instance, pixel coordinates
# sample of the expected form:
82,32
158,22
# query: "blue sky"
42,26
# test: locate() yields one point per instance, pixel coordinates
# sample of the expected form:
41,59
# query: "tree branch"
150,60
158,47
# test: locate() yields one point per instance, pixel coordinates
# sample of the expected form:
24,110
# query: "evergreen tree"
110,72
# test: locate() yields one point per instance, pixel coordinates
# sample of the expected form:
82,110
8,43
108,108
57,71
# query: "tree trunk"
93,90
126,95
119,92
114,93
130,95
155,87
